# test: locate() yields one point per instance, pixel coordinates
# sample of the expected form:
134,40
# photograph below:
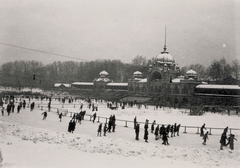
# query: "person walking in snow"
205,137
231,139
165,138
137,130
202,132
156,133
178,129
8,109
135,122
152,126
71,126
113,123
146,135
222,141
44,115
94,117
60,117
161,130
18,108
99,132
105,129
225,135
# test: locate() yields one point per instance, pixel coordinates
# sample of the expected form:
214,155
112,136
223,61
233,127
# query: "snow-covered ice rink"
28,141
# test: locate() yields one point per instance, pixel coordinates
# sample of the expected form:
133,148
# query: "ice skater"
205,137
137,130
60,117
231,139
44,115
202,132
99,132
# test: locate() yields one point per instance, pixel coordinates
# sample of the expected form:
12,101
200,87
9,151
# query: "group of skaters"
160,132
108,127
11,106
224,140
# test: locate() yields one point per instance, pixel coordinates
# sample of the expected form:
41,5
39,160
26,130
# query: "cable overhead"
45,52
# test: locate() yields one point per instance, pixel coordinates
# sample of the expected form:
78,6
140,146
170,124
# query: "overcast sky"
198,31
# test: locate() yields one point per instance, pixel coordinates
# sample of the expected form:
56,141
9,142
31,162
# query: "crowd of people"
162,132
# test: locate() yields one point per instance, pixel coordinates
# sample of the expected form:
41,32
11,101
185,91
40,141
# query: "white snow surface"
30,142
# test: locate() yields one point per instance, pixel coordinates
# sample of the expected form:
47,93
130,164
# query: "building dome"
191,72
165,58
103,73
137,74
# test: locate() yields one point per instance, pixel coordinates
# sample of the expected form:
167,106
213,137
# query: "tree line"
22,73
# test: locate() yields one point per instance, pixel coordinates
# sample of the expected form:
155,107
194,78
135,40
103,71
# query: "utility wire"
45,52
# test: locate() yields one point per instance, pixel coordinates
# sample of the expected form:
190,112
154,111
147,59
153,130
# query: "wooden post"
185,130
197,131
126,124
210,132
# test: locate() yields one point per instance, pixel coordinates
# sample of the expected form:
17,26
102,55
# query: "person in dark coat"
146,135
135,122
13,107
205,137
152,126
72,126
165,138
202,132
231,139
94,117
32,106
156,133
161,130
18,108
172,130
24,104
146,125
105,129
99,132
225,135
137,130
222,141
178,129
113,123
8,109
110,124
44,115
60,117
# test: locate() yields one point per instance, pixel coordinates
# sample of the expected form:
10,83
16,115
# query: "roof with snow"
82,83
218,86
117,84
62,84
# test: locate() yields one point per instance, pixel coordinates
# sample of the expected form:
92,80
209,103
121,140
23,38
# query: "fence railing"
126,123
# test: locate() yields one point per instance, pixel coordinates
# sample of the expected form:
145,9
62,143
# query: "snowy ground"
28,141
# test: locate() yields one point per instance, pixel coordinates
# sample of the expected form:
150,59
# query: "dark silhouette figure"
202,132
105,129
60,117
137,130
94,117
44,115
99,129
205,137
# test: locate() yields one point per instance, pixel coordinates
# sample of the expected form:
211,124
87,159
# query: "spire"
165,42
165,48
